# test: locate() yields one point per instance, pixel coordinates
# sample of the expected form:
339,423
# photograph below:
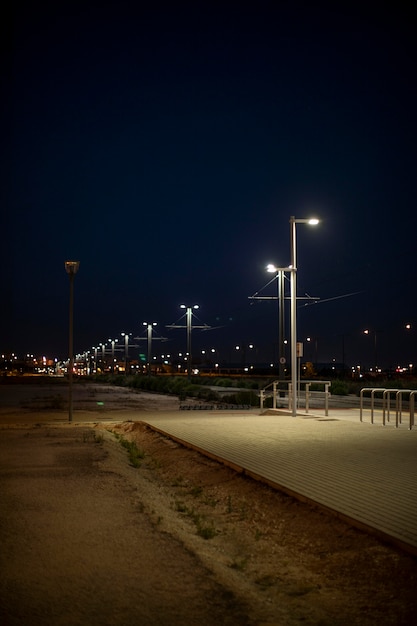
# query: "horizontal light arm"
313,221
271,268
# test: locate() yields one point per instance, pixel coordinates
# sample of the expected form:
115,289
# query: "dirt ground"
94,531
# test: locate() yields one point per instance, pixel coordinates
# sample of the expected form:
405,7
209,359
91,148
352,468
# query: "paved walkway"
366,472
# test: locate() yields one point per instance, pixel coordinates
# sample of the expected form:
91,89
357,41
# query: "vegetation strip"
136,455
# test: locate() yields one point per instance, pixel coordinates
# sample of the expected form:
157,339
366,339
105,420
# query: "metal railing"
412,402
386,404
275,392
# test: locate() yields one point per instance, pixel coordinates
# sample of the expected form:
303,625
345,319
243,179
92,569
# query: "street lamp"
216,357
71,267
280,275
149,327
368,332
126,336
113,342
95,358
189,327
242,348
189,313
103,356
293,265
315,354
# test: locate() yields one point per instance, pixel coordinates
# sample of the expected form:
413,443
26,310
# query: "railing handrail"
315,382
307,383
301,381
386,403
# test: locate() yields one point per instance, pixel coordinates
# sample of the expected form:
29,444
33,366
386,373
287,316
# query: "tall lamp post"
189,314
149,327
368,332
71,267
113,343
95,359
189,326
293,264
103,356
408,327
280,274
126,336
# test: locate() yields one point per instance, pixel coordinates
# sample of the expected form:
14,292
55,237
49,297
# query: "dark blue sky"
166,148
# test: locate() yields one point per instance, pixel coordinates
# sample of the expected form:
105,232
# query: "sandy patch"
179,539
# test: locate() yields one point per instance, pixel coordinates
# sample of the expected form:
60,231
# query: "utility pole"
71,267
189,326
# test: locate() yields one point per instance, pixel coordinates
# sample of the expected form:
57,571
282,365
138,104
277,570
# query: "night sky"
166,145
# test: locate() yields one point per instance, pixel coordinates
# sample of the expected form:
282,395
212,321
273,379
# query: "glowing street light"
149,327
369,332
310,340
242,349
293,265
189,314
189,326
280,275
103,355
126,336
95,348
71,267
113,342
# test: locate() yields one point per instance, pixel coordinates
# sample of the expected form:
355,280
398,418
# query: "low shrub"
135,454
242,397
339,388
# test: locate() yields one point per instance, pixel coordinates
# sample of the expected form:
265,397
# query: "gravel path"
77,547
